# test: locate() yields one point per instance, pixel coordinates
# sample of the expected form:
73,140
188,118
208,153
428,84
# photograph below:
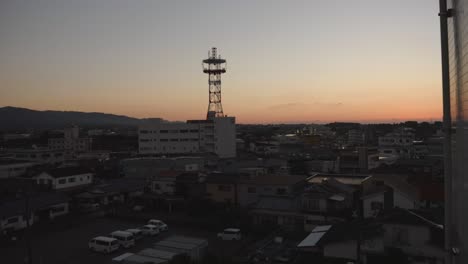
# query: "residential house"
165,182
10,168
384,192
222,187
191,185
38,155
284,211
418,238
251,188
149,168
325,201
65,178
41,207
117,190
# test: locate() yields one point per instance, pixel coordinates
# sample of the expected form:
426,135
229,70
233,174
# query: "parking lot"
70,246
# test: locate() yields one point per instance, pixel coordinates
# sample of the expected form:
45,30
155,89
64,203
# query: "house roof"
350,231
276,179
314,237
407,217
36,202
348,179
399,184
67,171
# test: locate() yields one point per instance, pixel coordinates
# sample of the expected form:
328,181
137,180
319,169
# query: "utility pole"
28,231
444,14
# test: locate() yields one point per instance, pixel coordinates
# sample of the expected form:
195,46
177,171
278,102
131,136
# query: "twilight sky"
288,61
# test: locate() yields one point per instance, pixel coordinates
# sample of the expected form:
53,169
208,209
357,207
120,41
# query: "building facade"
215,135
71,142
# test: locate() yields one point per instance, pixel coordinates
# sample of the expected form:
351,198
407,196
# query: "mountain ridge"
15,118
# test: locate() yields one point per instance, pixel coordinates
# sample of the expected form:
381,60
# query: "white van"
103,244
230,234
125,239
160,224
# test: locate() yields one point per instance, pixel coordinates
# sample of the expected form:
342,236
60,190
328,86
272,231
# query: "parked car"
137,233
160,224
103,244
149,230
125,239
230,234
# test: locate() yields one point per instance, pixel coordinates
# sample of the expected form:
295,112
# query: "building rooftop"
276,179
348,179
67,171
12,161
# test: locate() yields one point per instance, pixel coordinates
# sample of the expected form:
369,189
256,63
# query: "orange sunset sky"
288,61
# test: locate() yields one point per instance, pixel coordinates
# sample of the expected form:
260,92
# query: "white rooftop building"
215,135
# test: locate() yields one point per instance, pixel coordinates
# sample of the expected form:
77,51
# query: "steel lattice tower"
214,66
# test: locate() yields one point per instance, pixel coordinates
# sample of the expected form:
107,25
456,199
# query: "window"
193,130
251,190
183,131
174,139
71,179
144,131
156,186
164,131
62,181
164,140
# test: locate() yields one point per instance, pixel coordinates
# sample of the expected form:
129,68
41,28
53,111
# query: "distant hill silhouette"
12,118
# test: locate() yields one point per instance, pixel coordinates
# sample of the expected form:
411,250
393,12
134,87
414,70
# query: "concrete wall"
225,137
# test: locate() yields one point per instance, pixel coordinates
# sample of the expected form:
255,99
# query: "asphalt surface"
70,245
